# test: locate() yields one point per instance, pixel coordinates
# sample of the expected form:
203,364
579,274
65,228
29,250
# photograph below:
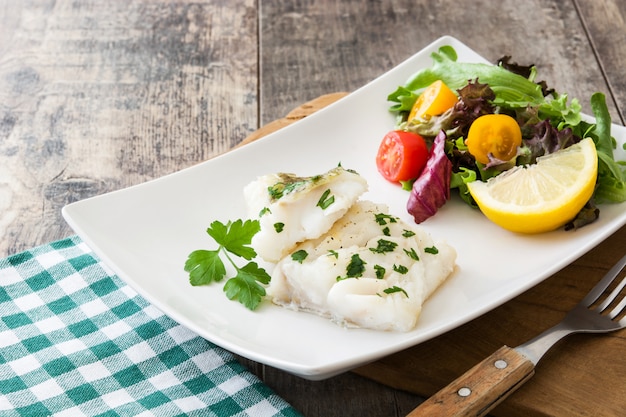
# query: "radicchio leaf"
431,190
547,139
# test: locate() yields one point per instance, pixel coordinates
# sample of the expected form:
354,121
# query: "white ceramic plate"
144,233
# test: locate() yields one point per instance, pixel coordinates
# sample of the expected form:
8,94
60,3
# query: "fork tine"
618,308
602,306
597,291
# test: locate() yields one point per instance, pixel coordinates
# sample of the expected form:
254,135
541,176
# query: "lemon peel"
540,197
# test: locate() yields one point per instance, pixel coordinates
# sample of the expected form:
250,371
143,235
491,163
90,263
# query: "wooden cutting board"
583,375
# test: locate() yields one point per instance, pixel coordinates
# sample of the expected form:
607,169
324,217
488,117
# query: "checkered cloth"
76,341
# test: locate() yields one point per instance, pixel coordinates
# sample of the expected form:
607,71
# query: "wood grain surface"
97,96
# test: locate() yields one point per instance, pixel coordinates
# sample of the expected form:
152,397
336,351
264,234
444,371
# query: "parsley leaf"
235,236
432,250
326,200
382,218
356,267
244,286
384,246
380,271
395,289
412,254
400,269
299,255
206,266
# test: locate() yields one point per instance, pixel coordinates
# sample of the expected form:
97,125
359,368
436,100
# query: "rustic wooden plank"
99,96
327,46
605,22
344,395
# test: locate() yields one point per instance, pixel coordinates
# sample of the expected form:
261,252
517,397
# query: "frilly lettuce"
512,90
548,123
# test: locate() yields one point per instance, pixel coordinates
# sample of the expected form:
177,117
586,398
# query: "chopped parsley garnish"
264,210
326,200
355,267
432,250
384,246
299,255
412,254
279,189
206,266
289,183
401,269
333,253
395,289
408,233
386,231
279,227
380,271
382,218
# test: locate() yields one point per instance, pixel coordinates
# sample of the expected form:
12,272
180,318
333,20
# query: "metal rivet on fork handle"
464,392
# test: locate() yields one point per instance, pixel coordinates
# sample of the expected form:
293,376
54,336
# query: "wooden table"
97,96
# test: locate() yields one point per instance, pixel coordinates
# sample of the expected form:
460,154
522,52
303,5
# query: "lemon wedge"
540,197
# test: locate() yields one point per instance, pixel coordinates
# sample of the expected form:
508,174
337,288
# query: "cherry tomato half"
401,156
495,134
435,100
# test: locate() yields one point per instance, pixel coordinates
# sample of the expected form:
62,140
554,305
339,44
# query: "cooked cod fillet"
292,209
370,270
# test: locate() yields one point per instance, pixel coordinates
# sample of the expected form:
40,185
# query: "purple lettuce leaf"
431,189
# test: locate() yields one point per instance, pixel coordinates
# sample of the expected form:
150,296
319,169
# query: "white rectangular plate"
144,233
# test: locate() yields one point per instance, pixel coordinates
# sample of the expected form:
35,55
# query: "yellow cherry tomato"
495,134
435,100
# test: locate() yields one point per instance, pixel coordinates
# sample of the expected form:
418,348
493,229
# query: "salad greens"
547,120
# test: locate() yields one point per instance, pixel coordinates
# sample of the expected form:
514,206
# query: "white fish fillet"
414,267
293,209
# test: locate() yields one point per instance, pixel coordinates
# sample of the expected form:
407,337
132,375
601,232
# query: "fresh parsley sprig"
207,266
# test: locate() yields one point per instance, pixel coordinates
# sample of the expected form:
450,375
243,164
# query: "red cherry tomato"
401,156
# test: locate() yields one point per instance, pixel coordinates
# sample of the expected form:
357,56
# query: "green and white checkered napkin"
76,341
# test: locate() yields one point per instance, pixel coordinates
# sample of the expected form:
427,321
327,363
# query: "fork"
488,383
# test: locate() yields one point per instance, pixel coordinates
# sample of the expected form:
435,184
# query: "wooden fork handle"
481,388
